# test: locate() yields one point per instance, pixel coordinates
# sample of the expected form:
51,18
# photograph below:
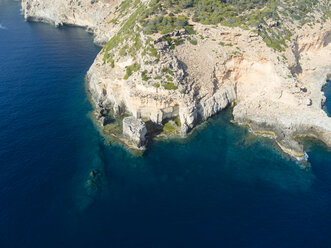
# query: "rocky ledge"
180,78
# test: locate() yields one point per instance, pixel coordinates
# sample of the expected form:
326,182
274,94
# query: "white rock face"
273,92
94,15
135,130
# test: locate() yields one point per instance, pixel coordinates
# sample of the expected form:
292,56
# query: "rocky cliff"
192,71
91,14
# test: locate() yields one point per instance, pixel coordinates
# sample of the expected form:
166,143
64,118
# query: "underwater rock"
92,185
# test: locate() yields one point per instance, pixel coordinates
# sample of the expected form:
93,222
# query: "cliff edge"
177,63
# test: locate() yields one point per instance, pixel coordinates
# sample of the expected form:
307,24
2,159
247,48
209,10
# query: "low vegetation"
131,69
144,76
265,17
170,86
167,70
169,128
172,127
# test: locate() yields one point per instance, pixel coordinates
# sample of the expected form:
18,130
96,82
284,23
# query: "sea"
62,185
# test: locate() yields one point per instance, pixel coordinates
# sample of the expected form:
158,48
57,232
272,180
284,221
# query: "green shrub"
169,78
169,128
152,51
164,24
167,70
170,86
130,69
193,41
177,121
122,52
144,77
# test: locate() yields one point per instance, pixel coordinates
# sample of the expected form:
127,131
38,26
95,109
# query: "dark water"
327,92
223,188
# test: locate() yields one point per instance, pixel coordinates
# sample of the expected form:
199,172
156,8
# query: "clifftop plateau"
175,63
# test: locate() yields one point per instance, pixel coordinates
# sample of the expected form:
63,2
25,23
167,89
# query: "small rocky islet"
167,66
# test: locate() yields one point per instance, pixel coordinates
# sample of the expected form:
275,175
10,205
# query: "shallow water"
223,187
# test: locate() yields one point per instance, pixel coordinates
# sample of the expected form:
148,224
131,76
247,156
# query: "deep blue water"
221,188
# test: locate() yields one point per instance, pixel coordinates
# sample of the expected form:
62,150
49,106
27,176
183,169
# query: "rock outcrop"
135,131
275,93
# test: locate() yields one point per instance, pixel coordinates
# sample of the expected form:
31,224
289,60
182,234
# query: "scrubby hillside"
273,20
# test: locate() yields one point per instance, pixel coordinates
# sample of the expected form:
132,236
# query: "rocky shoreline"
181,80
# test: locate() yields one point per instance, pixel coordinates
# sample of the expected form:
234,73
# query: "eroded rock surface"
135,130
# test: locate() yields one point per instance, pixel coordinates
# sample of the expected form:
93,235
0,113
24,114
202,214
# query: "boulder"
135,130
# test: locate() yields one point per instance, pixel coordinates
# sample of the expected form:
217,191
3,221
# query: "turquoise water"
221,188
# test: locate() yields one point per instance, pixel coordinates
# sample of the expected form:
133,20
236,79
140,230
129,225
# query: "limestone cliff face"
291,107
144,100
274,93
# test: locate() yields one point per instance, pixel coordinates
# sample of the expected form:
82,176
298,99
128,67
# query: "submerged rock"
93,183
135,130
93,173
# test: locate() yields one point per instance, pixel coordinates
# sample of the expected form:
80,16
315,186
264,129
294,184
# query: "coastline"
192,111
78,190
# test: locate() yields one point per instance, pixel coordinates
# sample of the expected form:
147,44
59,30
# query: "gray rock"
117,109
184,128
135,130
102,121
